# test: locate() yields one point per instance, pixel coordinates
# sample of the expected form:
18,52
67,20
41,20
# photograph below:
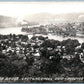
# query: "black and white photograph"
41,42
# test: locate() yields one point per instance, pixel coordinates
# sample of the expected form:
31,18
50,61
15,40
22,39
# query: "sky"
20,9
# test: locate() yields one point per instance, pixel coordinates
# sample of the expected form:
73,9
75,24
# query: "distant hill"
6,21
42,18
45,18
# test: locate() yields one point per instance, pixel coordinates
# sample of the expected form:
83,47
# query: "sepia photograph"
42,42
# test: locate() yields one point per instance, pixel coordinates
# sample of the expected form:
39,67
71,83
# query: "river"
17,30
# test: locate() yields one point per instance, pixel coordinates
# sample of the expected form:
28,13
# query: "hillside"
6,21
46,18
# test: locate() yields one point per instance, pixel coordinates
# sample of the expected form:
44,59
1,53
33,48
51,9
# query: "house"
24,24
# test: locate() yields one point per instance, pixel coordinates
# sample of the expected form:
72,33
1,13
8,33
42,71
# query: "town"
40,57
75,29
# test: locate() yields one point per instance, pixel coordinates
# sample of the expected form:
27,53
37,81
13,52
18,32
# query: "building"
24,24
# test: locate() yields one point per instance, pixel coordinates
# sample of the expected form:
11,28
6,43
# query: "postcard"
42,42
